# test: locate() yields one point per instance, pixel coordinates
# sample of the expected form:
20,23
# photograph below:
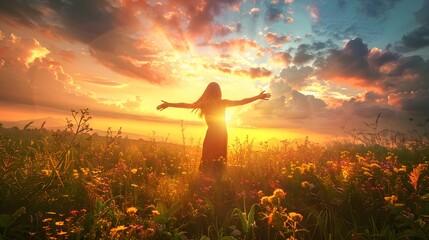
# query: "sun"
228,116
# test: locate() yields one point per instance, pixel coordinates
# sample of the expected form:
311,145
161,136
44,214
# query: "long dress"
213,160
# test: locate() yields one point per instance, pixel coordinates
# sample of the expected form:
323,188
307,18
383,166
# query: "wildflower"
85,171
121,228
46,172
113,231
47,220
306,184
61,233
59,223
75,174
296,217
279,193
134,170
134,185
155,212
131,211
374,165
401,169
391,200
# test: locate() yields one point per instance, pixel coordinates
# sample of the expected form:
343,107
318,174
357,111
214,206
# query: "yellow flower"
61,233
296,217
374,165
121,228
279,193
391,200
134,170
75,174
47,220
155,212
131,211
59,223
305,184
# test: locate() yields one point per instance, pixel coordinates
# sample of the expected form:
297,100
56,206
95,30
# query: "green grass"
73,184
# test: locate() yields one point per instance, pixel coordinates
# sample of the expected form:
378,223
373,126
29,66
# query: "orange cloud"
274,38
282,58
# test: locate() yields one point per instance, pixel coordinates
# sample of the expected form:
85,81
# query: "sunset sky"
329,64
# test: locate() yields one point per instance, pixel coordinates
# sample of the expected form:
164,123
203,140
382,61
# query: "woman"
211,106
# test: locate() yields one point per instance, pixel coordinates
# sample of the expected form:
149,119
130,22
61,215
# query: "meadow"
76,184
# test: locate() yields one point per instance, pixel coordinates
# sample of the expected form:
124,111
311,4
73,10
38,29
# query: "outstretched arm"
262,96
165,105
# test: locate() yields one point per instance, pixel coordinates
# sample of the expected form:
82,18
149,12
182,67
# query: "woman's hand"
163,106
264,96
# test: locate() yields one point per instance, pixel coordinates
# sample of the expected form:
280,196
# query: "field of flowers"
75,184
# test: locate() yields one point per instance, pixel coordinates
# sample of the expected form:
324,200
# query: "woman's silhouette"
211,106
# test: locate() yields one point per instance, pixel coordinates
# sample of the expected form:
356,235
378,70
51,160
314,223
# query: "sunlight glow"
38,52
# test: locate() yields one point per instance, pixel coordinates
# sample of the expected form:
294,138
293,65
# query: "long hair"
212,94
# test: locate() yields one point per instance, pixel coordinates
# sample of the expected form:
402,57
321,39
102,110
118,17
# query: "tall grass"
75,184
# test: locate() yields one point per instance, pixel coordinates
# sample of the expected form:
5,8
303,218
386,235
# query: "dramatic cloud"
117,32
301,56
414,102
30,76
417,38
296,77
350,63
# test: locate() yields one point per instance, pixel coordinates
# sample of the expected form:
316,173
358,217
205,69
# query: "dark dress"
213,160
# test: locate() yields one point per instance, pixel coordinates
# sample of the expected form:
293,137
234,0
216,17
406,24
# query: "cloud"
236,44
297,77
275,39
113,31
376,8
67,55
349,63
102,81
252,72
282,58
314,12
273,13
414,102
256,72
416,39
301,56
254,11
289,20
